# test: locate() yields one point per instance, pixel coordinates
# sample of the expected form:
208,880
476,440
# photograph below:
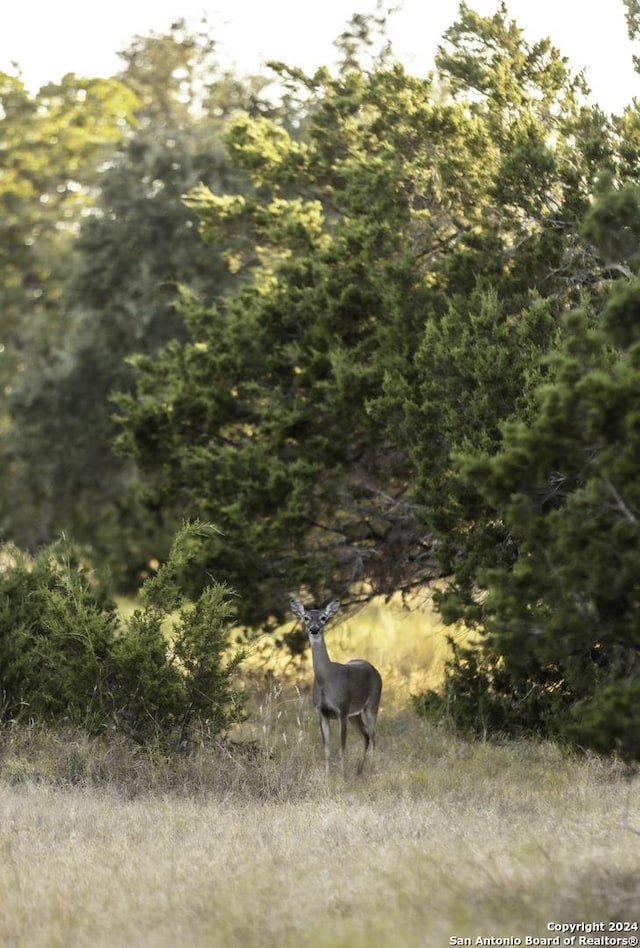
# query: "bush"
56,632
611,721
67,656
587,703
480,697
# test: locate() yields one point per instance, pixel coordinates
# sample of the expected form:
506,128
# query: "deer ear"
333,607
297,608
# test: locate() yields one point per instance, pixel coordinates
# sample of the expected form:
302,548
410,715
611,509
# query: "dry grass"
102,844
439,838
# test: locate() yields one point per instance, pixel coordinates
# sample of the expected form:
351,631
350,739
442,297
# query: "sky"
47,40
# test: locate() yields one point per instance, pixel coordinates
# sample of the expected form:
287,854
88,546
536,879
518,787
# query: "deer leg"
325,730
342,721
370,718
359,722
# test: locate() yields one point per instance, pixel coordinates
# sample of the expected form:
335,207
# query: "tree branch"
628,515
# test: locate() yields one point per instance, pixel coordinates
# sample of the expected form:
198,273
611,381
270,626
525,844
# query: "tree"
289,417
52,147
262,415
505,283
535,467
134,249
561,616
632,17
474,368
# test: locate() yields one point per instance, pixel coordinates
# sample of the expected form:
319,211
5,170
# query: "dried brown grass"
228,847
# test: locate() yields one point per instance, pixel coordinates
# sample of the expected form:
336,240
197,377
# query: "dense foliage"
380,332
113,269
285,416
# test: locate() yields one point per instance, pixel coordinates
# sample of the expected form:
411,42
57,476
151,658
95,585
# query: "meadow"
246,843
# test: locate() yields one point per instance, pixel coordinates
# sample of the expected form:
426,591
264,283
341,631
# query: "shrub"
611,721
480,696
56,632
66,654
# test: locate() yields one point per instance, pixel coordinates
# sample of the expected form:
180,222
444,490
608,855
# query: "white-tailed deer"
344,692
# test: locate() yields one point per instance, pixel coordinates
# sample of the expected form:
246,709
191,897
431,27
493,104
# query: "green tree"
504,284
289,417
632,17
531,488
474,368
133,250
561,618
262,415
52,145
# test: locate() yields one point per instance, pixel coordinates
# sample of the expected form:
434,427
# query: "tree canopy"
311,414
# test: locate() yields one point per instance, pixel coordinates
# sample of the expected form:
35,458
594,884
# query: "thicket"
68,656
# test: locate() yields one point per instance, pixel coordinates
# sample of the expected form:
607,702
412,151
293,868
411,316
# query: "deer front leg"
325,730
342,722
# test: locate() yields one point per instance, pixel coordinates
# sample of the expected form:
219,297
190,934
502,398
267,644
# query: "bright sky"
50,39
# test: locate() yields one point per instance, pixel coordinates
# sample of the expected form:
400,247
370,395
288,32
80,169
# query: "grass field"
102,844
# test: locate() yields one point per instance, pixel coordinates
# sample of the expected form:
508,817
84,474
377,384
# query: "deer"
349,692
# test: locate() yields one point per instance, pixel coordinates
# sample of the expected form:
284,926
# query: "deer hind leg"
370,716
360,722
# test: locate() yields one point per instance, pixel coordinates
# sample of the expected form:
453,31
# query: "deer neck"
320,656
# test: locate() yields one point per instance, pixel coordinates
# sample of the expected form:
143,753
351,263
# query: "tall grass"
106,845
246,843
